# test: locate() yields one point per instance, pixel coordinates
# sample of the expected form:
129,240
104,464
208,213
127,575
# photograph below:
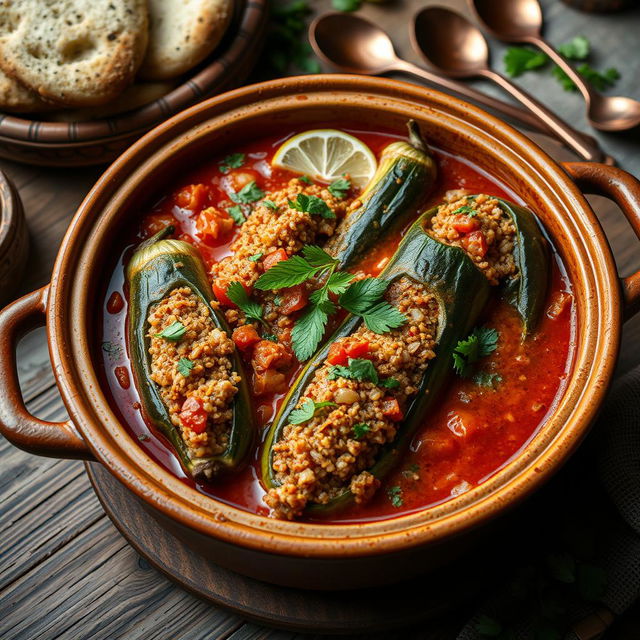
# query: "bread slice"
17,99
73,52
182,33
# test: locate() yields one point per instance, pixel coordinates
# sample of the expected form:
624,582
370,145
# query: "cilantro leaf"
173,332
305,179
255,257
270,204
363,370
360,429
249,193
338,371
338,282
317,257
479,344
184,367
470,211
600,81
307,410
236,213
363,294
395,495
237,294
517,60
383,317
339,188
389,383
576,49
286,273
232,161
311,205
308,331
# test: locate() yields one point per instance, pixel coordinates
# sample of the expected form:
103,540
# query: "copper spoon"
521,21
352,44
455,46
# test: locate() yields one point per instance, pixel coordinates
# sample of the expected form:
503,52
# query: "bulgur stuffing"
210,383
320,458
480,227
268,229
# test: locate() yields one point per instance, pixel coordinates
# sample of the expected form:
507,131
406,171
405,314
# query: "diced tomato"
273,258
193,415
269,381
270,355
356,349
245,336
475,243
337,354
115,304
465,224
213,224
192,197
293,299
220,287
391,409
156,222
122,376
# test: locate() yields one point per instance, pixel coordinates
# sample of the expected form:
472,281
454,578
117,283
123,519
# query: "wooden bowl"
312,555
14,239
101,141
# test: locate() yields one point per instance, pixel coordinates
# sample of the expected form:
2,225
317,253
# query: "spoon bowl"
367,49
511,20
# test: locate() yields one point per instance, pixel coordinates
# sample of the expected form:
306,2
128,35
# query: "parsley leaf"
317,257
338,282
311,205
600,81
270,337
232,161
363,294
236,213
479,344
383,317
305,179
486,379
270,204
389,383
395,495
360,429
339,188
359,369
255,257
517,60
576,49
470,211
184,366
249,193
237,294
173,332
308,332
286,273
308,409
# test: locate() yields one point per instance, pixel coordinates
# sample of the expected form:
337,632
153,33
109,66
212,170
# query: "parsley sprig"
307,410
467,210
362,298
232,161
339,188
311,205
173,332
482,342
251,309
362,370
251,192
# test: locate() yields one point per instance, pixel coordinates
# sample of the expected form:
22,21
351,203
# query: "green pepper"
404,178
156,268
447,271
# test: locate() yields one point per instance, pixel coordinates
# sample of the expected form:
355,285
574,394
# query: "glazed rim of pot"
542,183
244,30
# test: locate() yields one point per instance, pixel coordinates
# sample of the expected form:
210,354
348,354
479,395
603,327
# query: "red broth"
475,430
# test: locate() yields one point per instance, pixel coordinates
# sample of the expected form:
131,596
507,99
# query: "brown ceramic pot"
301,554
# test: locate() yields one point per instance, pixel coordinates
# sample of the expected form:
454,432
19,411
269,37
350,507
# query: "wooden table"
65,572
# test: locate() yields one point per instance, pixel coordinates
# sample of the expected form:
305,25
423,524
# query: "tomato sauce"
474,431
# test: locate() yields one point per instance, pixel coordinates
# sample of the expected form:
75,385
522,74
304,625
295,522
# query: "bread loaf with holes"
182,33
73,52
18,99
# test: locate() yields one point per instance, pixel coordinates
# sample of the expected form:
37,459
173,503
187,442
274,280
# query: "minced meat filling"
199,403
268,229
480,227
318,459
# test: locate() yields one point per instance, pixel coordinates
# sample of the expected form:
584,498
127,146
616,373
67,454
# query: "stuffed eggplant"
186,369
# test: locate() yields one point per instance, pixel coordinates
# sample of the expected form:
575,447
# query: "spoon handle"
584,146
516,113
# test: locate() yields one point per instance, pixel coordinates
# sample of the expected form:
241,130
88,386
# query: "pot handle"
624,190
55,439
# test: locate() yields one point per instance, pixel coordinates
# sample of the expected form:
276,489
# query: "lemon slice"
327,154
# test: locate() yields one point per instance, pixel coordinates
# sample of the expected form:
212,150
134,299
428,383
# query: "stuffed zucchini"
185,366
